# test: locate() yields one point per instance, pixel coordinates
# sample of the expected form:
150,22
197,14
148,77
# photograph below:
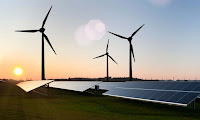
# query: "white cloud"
160,2
93,30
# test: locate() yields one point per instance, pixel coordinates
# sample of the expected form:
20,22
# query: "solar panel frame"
148,100
31,85
74,85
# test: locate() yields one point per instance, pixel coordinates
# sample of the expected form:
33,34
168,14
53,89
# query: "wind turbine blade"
32,31
107,46
99,56
132,52
137,31
49,42
118,35
46,18
112,59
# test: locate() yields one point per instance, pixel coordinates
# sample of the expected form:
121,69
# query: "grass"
15,104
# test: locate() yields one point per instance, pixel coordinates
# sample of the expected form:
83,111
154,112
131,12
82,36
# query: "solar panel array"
169,92
31,85
177,93
74,85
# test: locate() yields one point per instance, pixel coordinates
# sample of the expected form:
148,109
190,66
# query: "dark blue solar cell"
159,85
157,95
131,93
151,85
163,86
109,85
122,92
133,85
146,92
125,92
197,89
172,85
149,94
188,98
123,85
176,97
129,84
128,92
152,94
115,92
181,86
140,93
143,84
191,86
166,96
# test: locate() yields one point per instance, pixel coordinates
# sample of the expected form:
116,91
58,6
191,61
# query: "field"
68,105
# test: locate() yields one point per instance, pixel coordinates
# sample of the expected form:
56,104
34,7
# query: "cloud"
160,2
93,30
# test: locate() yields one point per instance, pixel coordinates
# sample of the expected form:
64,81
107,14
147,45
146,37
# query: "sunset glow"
18,71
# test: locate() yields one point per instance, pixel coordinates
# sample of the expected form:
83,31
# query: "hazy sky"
167,46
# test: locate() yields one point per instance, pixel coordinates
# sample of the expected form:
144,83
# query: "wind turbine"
41,30
131,49
107,54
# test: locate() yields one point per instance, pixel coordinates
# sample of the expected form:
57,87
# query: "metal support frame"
96,89
45,92
194,104
48,89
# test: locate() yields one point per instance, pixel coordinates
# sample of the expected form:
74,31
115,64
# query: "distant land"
114,79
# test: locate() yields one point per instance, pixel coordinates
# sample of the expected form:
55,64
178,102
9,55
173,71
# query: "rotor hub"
42,30
130,39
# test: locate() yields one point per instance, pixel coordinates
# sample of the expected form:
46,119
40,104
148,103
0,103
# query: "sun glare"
18,71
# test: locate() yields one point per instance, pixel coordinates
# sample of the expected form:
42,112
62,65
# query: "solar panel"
31,85
164,85
169,92
74,85
109,85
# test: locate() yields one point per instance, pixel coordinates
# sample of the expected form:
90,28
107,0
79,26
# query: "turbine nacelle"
107,54
42,30
130,39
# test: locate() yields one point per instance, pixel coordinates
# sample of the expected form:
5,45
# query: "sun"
18,71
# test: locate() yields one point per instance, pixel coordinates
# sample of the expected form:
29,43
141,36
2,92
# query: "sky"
167,47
